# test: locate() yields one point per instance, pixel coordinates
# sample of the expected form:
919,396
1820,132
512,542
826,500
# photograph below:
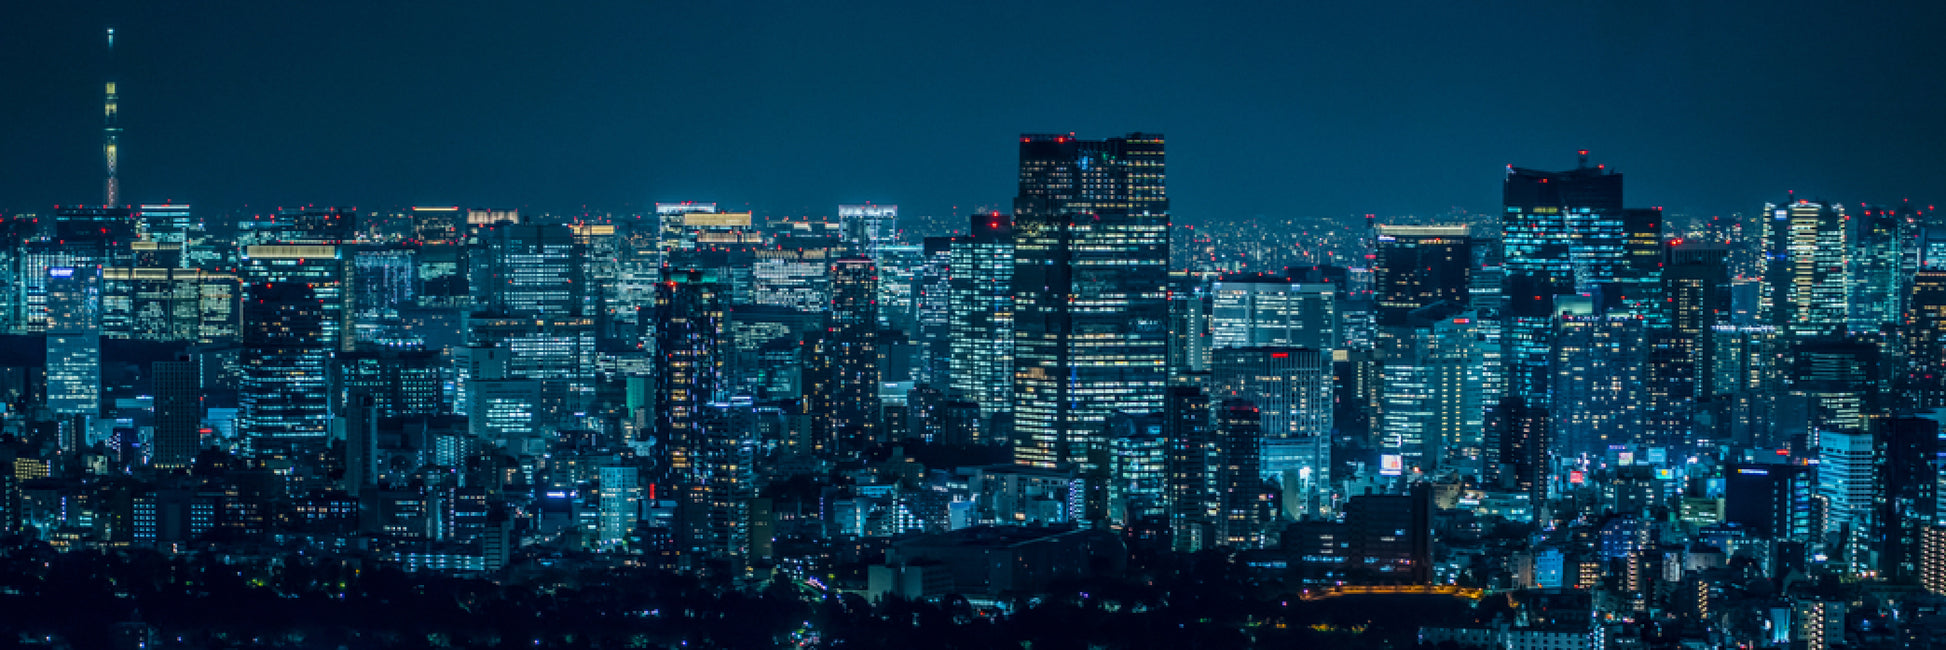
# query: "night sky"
1286,109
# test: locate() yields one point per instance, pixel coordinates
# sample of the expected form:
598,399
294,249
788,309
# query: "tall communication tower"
111,132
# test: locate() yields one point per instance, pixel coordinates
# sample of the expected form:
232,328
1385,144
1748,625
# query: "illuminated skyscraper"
1242,505
323,269
846,404
1925,339
74,340
1091,305
1291,388
691,313
869,227
1418,266
1257,311
981,321
1562,234
1809,272
284,394
1190,464
530,270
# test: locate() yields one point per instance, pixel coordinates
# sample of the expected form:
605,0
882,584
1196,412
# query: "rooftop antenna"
111,132
1584,159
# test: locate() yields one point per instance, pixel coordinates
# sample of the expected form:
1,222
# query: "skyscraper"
1242,506
1256,311
847,406
1562,234
284,393
74,340
1291,391
178,413
691,340
1419,266
1925,339
1809,271
1091,254
981,321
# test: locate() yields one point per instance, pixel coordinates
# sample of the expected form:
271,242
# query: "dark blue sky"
1276,108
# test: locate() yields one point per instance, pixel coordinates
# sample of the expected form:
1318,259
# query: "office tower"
168,304
326,226
690,313
1841,383
981,321
1598,379
437,225
442,272
1695,289
1879,236
1190,337
868,228
324,269
399,382
1750,368
1091,306
167,222
1637,285
530,270
1925,339
900,268
621,503
360,422
383,278
1771,501
1242,509
797,277
1809,271
1909,480
1190,434
1259,311
178,413
932,313
477,218
1291,390
80,238
1419,266
1137,467
1390,535
1562,234
847,404
1848,484
74,340
284,392
558,353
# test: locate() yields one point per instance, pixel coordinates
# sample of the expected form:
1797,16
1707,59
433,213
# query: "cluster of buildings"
1574,400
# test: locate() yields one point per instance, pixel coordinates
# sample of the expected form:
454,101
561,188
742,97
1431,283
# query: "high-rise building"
981,321
284,393
1925,340
1909,473
1848,484
74,340
1598,379
530,270
1260,311
1091,282
324,269
1191,461
178,413
168,304
1419,266
1771,501
847,406
1291,391
691,341
1879,237
1243,508
1563,233
1808,276
868,227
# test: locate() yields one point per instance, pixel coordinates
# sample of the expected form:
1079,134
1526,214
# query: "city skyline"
1283,111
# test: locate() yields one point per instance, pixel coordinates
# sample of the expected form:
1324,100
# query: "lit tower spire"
110,131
